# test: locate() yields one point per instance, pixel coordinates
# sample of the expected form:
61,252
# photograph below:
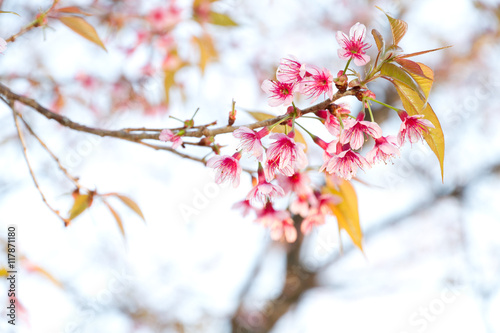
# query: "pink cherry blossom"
413,127
243,205
250,140
279,92
264,191
302,204
290,70
318,83
284,229
268,216
165,17
353,47
167,135
299,183
284,155
385,148
227,168
343,162
354,129
317,215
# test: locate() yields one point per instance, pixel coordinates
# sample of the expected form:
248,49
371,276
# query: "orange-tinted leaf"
397,73
422,52
410,66
130,204
260,116
3,272
83,28
379,40
82,202
207,49
117,217
222,20
398,28
413,105
72,10
31,267
347,210
424,81
168,83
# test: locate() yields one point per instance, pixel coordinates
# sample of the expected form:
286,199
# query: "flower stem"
198,109
312,135
370,111
386,105
347,65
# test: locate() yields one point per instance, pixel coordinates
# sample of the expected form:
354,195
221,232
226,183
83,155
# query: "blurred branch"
23,143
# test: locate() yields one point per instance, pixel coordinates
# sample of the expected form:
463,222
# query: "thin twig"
54,157
23,143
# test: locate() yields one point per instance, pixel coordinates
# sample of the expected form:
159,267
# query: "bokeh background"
431,249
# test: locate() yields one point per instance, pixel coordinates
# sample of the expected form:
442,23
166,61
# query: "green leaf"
346,211
260,116
82,202
398,27
414,105
397,73
222,20
379,40
83,28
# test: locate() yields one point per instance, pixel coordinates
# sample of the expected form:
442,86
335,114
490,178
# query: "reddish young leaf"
422,52
83,28
347,210
379,40
410,66
398,28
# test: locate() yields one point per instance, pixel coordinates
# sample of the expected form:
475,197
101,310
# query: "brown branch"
135,137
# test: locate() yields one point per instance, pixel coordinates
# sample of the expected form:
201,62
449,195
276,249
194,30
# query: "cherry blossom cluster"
283,165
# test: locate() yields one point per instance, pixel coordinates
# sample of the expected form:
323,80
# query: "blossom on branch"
227,168
284,155
354,129
352,46
319,82
250,140
167,135
413,127
290,71
279,92
385,148
343,162
264,191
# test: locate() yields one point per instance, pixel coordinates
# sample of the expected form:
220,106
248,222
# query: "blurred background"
431,249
